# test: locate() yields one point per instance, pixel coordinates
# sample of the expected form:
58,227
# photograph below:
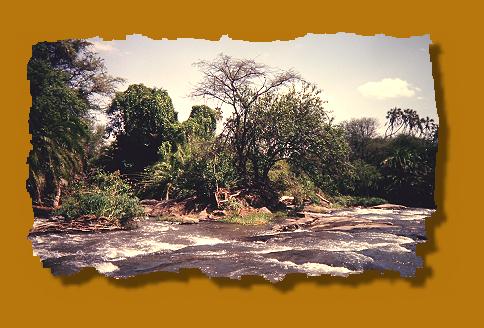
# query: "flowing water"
230,250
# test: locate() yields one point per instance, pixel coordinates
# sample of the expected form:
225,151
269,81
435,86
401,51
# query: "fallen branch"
86,223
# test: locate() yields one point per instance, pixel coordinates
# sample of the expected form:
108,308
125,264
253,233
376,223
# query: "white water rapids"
228,250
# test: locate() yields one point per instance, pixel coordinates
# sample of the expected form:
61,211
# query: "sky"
360,76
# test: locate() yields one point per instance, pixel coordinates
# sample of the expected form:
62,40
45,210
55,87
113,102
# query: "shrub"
409,171
232,204
365,179
103,195
287,183
250,219
194,168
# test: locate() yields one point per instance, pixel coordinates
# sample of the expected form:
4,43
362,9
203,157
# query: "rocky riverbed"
339,242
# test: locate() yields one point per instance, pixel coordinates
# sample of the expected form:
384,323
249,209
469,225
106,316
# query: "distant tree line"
399,166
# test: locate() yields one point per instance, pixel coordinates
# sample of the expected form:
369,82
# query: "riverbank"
191,211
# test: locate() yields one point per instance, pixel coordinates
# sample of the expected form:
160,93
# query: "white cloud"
388,88
103,46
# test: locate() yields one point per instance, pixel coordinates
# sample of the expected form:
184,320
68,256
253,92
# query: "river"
230,250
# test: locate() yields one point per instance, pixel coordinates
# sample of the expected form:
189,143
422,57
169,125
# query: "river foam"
314,269
203,240
142,248
105,267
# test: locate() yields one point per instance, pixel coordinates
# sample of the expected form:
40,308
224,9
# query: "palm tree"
410,121
59,138
394,121
428,127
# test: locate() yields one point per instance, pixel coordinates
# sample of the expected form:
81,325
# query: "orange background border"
447,291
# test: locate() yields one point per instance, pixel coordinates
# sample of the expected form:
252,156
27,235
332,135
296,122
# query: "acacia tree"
239,84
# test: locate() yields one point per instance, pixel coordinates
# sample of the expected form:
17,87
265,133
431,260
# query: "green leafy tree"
202,123
359,133
82,69
272,121
326,162
295,127
141,119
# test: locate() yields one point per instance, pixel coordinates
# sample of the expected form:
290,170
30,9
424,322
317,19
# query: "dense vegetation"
65,79
104,195
277,137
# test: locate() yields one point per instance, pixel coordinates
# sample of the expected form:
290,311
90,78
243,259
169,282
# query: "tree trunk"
57,195
265,174
242,168
255,165
167,196
51,189
34,189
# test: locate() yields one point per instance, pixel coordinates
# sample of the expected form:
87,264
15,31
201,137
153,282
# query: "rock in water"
188,220
316,209
389,207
